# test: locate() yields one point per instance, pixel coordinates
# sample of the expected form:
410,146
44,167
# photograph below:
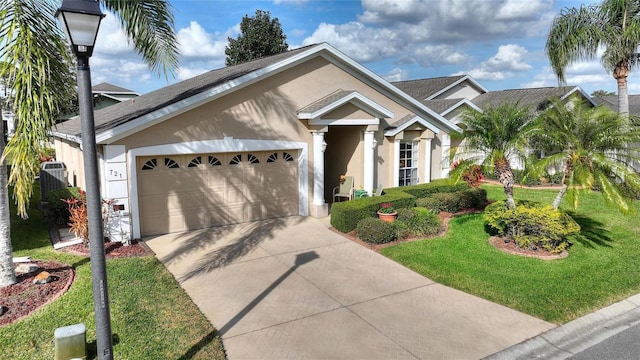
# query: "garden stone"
42,278
26,268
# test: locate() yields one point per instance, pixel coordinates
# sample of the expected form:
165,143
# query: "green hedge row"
346,215
453,202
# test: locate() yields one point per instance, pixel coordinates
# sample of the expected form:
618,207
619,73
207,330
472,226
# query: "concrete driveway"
291,289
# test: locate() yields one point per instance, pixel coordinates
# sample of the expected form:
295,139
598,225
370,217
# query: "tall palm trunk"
621,73
504,174
7,271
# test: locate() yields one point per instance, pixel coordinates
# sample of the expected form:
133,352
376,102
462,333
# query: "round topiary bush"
532,225
375,231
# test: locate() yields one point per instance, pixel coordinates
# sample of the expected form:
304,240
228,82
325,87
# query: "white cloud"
509,60
397,75
440,54
187,73
289,2
111,39
195,42
351,37
522,9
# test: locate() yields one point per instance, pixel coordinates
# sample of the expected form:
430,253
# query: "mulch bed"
24,297
497,242
113,250
511,248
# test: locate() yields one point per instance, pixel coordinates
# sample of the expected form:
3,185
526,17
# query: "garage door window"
214,161
287,157
253,159
171,164
195,162
150,165
236,160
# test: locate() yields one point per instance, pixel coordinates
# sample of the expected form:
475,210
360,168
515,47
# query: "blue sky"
500,43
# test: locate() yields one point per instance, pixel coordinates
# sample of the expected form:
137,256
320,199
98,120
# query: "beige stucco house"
264,139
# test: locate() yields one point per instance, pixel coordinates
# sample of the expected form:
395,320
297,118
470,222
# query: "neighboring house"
536,98
8,123
448,96
105,94
264,139
611,101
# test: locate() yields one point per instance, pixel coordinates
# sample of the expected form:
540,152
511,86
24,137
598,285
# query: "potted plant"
386,212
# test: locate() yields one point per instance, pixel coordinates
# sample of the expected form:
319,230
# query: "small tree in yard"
493,137
260,36
595,148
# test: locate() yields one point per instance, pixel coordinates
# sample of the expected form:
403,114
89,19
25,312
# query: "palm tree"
579,33
592,149
494,137
36,61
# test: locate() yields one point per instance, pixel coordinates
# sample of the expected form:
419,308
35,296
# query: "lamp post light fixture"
81,20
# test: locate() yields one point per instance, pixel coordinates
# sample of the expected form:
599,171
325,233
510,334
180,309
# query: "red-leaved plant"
78,219
471,174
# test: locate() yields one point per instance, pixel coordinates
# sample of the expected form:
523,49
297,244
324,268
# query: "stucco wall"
70,153
267,110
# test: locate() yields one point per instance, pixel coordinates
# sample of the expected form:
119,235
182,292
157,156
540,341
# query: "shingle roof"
534,97
110,88
398,123
611,101
325,101
441,105
422,89
112,116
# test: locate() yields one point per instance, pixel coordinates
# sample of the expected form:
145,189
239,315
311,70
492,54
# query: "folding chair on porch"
344,190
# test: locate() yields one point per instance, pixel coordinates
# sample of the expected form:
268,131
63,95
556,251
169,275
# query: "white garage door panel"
182,192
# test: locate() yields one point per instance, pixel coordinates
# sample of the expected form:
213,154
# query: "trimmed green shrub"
59,210
475,198
375,231
430,202
418,221
436,186
346,215
532,225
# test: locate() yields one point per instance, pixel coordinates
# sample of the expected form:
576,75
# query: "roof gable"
431,88
339,98
537,98
121,120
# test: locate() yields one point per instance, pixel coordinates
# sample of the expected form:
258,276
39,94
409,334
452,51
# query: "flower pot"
388,217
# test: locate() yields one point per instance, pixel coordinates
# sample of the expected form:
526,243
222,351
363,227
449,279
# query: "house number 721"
115,173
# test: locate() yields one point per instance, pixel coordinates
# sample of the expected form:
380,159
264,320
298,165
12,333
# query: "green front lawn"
602,267
151,316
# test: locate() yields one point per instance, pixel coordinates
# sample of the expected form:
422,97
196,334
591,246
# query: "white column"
446,149
396,163
369,148
318,168
427,160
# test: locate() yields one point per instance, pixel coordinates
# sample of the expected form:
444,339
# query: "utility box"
53,176
70,342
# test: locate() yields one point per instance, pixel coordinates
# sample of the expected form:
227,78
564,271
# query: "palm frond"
36,61
149,26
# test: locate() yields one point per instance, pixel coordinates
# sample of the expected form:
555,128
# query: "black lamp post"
81,20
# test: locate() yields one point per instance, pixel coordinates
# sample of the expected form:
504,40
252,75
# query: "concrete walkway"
291,289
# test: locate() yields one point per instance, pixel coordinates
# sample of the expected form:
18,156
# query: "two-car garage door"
184,192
